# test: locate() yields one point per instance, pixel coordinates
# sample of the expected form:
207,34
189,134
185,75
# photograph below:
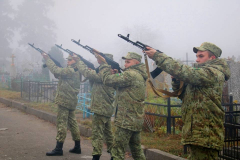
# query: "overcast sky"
179,24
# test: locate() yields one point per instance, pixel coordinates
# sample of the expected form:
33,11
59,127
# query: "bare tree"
6,29
35,26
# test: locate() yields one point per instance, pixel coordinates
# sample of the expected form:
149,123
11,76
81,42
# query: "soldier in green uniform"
130,95
202,113
66,99
102,98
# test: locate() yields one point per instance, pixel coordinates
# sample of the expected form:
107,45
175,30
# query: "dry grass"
167,143
86,122
47,107
10,94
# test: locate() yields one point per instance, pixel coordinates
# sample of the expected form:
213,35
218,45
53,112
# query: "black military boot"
96,157
57,151
77,148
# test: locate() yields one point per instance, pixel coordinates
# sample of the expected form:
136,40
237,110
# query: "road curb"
151,154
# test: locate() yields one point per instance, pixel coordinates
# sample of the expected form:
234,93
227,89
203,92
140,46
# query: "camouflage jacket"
102,96
202,113
68,85
130,95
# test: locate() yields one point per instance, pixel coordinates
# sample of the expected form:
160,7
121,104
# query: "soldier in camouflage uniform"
202,113
66,99
130,95
101,105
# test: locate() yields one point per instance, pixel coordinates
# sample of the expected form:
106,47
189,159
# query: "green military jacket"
68,85
130,94
202,113
102,96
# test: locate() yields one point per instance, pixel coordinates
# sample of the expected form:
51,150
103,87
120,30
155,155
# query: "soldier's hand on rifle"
45,56
150,52
100,59
114,71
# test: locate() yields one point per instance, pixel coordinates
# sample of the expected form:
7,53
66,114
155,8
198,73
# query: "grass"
10,94
167,143
87,122
47,107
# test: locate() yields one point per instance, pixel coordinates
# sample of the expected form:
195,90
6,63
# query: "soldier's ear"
136,61
212,57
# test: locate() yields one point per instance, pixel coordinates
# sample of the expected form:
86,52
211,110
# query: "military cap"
109,55
207,46
69,57
133,55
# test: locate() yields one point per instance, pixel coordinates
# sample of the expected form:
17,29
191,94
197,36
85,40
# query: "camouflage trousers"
124,137
67,118
101,129
202,153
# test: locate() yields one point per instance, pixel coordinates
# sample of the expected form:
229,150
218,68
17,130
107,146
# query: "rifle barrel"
142,46
41,51
93,51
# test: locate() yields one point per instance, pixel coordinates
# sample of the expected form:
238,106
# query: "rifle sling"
167,93
156,91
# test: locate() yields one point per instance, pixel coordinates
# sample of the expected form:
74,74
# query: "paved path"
29,138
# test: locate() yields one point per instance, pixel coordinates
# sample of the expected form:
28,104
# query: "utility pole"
187,59
12,59
13,68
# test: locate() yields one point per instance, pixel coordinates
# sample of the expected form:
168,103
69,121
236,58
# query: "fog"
180,25
172,26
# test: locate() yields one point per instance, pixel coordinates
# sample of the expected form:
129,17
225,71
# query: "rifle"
114,64
154,73
41,51
142,46
89,64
